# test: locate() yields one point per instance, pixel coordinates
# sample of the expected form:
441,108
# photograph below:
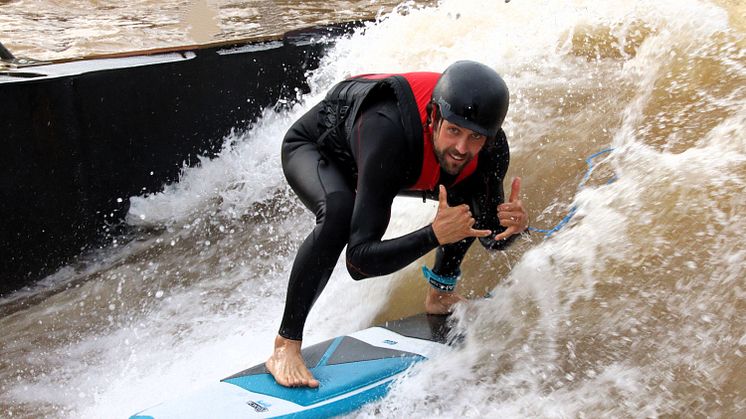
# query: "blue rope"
566,219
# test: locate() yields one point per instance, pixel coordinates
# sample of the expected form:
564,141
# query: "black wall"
71,147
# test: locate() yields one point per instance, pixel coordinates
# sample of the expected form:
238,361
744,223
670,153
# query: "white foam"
530,350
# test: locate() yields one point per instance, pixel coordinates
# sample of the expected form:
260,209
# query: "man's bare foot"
287,366
438,302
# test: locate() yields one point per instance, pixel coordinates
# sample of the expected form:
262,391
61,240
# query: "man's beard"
451,167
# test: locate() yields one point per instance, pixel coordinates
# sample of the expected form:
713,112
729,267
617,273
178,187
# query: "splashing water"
634,309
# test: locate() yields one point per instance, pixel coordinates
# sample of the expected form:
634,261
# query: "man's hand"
452,224
511,214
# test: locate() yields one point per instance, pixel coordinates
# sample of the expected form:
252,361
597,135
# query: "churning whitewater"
635,308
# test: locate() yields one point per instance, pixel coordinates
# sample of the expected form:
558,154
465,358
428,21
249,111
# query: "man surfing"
377,136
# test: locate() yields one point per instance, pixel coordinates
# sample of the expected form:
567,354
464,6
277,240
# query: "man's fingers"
442,197
510,206
509,215
513,221
480,233
507,233
515,189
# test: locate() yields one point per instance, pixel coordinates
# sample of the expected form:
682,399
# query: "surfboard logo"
259,407
390,342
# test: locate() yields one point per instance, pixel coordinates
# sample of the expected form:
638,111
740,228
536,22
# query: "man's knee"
336,214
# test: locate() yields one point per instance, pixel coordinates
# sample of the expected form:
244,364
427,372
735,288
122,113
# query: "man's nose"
461,145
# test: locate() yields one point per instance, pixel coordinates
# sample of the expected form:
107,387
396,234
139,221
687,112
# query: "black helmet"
473,96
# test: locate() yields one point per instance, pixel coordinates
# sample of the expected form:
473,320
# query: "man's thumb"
515,189
442,197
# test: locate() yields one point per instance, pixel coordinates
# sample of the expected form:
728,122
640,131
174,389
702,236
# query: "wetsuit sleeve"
385,166
483,191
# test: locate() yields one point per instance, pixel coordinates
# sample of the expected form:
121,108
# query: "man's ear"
433,117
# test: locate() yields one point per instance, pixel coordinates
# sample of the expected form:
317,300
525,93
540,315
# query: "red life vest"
422,85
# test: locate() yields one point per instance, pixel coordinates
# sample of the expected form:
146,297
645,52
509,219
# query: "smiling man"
377,136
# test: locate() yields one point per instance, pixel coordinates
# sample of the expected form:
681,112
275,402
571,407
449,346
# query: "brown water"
67,29
636,308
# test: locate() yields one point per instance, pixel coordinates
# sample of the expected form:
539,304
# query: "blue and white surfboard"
352,370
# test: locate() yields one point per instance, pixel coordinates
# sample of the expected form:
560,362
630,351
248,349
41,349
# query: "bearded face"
455,146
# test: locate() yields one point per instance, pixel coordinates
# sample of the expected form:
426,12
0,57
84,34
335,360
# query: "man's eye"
453,130
475,136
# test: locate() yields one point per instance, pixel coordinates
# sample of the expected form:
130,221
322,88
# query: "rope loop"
566,219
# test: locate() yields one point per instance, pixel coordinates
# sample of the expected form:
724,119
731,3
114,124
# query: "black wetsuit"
349,182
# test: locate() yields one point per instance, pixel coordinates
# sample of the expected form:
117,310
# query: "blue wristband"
441,283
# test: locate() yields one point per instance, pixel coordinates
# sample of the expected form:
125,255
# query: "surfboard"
352,370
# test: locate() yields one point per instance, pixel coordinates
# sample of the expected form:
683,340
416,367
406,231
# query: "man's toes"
282,381
309,381
295,380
